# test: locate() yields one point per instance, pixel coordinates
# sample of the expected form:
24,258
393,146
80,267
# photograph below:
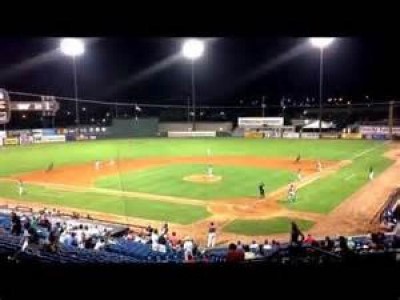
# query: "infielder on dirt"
298,158
97,165
292,193
319,166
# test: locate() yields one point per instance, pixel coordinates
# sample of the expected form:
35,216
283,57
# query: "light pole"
193,49
73,47
321,43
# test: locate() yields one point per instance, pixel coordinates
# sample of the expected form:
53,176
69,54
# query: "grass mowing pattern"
124,206
265,227
325,194
168,180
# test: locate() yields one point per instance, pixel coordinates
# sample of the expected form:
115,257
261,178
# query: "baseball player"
292,193
210,171
112,162
212,235
299,176
261,189
298,158
21,188
319,166
97,165
50,167
371,173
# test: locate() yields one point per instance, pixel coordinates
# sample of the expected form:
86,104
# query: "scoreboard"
5,107
47,105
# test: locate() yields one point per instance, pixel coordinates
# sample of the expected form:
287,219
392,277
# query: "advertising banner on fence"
11,141
330,135
182,134
369,130
352,136
253,135
377,136
26,139
53,139
259,122
291,135
309,135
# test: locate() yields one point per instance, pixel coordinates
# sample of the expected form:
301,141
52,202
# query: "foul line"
362,153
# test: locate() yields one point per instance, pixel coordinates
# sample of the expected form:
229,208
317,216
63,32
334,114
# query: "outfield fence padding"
191,134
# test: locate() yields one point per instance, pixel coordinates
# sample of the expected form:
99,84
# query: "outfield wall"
164,127
142,127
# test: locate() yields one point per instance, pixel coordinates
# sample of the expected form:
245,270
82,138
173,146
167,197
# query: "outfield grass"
265,227
168,180
37,157
125,206
325,194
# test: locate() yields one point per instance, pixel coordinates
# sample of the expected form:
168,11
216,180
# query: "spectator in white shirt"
267,247
100,244
254,247
188,247
154,236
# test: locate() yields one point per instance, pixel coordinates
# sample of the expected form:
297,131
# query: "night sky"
232,69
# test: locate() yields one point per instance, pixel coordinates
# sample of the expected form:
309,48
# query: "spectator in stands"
190,259
154,236
239,245
149,230
275,245
130,236
164,230
173,240
267,248
53,239
247,253
81,240
329,244
254,247
234,254
296,234
350,243
74,240
343,245
16,226
30,241
100,244
309,240
188,247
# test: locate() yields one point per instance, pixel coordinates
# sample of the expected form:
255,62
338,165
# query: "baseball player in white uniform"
210,171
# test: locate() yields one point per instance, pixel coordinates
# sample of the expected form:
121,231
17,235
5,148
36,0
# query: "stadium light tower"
193,49
73,47
321,43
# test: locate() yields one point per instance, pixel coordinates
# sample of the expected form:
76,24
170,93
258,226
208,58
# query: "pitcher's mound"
202,178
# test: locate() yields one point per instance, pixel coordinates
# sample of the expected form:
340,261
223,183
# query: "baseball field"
148,181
